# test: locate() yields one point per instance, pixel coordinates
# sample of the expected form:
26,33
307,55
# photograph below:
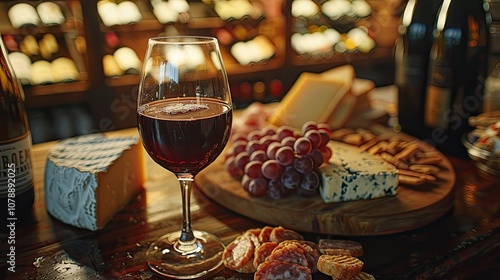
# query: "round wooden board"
411,208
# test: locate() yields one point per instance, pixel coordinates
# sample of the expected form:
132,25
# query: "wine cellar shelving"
256,42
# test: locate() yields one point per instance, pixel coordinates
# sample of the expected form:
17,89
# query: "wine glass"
184,119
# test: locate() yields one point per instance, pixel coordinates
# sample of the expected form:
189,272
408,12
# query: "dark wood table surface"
463,244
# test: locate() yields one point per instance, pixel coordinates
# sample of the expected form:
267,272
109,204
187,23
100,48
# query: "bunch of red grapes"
278,161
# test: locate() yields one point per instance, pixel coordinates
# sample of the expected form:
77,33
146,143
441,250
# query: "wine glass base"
200,260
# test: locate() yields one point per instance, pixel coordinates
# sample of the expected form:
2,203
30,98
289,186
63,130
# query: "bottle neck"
13,116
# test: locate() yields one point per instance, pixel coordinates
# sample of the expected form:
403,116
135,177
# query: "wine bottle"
16,172
127,60
50,14
23,15
457,72
412,59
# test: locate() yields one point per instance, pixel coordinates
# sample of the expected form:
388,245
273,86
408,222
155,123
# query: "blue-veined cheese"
88,179
354,175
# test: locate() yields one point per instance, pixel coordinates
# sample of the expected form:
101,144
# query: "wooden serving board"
411,208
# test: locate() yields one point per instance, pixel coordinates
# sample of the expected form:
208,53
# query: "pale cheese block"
364,112
344,109
352,174
313,97
361,90
88,179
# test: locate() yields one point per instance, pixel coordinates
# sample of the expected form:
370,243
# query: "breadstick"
339,134
378,148
394,147
424,168
369,144
353,139
394,161
410,180
431,160
426,177
408,151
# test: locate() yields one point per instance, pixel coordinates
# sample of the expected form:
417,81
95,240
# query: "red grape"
258,186
315,138
327,153
291,177
258,156
276,189
268,130
317,157
272,149
271,169
325,127
310,125
302,146
284,131
268,139
239,146
254,135
310,181
253,169
303,164
237,137
242,159
254,145
288,141
285,155
325,138
231,167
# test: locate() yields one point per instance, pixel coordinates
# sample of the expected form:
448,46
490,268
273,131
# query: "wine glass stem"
187,236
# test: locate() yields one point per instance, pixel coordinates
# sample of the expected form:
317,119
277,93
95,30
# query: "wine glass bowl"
184,117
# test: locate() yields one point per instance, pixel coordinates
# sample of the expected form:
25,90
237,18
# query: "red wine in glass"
185,135
184,117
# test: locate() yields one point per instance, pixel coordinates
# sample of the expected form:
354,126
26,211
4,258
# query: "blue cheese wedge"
355,175
88,179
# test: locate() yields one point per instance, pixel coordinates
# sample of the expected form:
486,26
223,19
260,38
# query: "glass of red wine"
184,120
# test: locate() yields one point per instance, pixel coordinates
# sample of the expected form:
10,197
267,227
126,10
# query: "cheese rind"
88,179
355,175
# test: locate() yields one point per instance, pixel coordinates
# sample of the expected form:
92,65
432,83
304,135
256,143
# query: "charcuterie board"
411,208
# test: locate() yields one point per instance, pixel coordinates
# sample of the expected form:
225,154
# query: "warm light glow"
443,13
470,194
408,14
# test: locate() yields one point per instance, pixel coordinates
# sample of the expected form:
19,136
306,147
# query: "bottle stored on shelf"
127,60
441,77
412,62
23,15
16,173
50,13
457,72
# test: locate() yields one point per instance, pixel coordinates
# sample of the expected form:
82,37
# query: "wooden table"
464,243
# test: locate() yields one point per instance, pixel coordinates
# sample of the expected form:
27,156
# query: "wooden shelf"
99,92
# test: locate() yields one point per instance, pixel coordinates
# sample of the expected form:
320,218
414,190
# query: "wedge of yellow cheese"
324,97
361,89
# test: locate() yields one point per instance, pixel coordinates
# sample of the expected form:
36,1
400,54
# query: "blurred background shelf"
255,38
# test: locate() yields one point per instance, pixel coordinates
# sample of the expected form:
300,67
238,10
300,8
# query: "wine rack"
255,40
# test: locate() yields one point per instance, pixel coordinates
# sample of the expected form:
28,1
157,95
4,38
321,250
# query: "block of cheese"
361,89
89,178
344,109
355,175
321,97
